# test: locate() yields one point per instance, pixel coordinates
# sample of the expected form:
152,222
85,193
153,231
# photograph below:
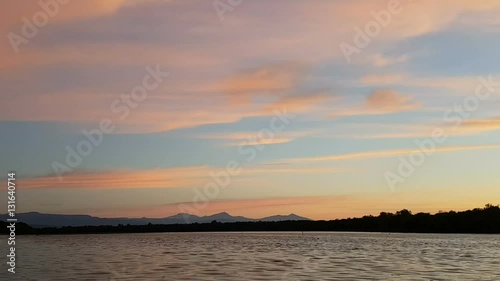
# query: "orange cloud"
156,178
417,17
378,103
159,112
389,101
482,124
164,109
271,85
329,24
72,11
269,80
178,177
299,103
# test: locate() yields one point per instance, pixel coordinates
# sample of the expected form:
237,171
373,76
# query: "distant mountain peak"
182,214
222,213
37,219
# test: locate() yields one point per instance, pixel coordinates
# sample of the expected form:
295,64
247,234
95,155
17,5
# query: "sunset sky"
237,72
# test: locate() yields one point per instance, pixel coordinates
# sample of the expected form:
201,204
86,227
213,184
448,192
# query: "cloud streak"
177,177
386,153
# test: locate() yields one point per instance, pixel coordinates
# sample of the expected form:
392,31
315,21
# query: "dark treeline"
480,220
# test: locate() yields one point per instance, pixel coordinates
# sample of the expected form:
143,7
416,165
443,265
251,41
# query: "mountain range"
36,219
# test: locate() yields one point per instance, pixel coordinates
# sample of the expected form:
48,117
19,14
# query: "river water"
255,256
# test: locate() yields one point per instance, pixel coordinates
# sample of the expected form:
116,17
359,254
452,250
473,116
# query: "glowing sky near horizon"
353,121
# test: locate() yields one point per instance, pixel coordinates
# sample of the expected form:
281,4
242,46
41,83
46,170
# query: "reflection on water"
257,256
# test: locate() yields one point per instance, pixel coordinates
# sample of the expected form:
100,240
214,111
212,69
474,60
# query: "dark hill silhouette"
480,220
39,220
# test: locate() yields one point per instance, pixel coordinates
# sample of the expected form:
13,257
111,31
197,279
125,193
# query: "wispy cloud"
273,79
301,103
389,101
155,178
177,177
378,102
385,153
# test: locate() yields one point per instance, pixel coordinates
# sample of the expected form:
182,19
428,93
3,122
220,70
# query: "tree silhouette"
478,220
